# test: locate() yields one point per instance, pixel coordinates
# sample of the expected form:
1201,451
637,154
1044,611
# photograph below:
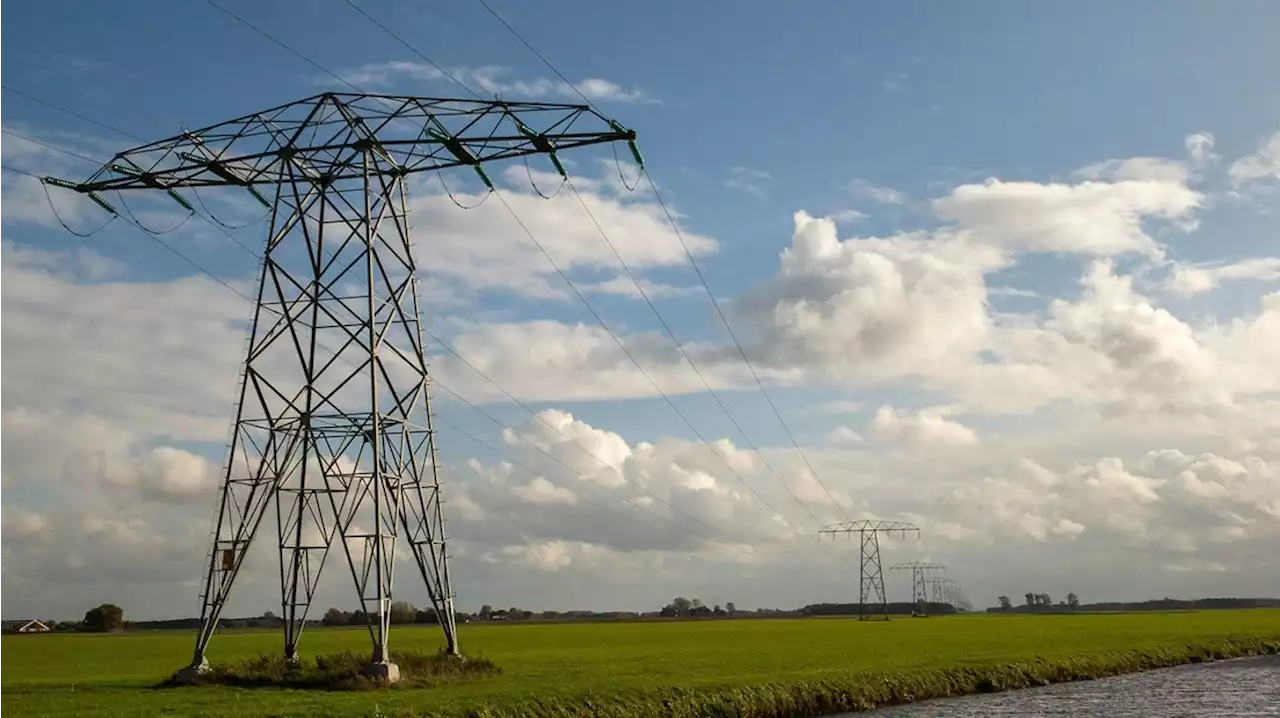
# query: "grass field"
774,667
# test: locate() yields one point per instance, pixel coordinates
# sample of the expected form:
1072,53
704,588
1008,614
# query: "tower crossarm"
322,138
865,525
917,566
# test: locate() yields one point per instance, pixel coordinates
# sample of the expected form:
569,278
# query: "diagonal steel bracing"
332,426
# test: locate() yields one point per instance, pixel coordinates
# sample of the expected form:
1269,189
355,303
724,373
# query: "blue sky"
747,113
913,96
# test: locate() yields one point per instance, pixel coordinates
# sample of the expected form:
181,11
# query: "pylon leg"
333,418
307,525
871,582
245,495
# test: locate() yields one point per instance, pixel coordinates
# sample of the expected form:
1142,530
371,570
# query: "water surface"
1239,688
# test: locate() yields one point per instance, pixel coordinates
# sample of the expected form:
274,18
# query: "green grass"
343,671
786,667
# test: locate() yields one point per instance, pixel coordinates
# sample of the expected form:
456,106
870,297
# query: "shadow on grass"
342,672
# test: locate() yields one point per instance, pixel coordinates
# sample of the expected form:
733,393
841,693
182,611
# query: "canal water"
1240,688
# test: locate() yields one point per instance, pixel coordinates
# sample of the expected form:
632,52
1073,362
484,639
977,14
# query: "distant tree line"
1039,602
682,607
902,608
108,617
1042,602
401,612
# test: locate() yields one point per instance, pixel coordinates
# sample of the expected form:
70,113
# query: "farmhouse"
25,625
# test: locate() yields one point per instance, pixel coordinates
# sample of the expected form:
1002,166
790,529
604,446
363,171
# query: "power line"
131,220
627,352
7,168
738,344
515,400
534,50
99,163
604,235
692,364
696,269
225,284
55,148
90,120
413,49
544,252
292,51
556,459
463,359
193,263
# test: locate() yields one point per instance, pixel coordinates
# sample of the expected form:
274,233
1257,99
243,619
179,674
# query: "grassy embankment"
758,667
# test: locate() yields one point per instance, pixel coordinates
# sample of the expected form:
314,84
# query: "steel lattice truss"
314,139
333,427
920,583
871,575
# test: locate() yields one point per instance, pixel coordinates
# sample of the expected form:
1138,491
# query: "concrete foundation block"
192,673
385,671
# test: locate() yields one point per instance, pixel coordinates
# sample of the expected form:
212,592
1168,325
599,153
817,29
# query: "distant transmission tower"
919,583
871,576
333,424
943,590
948,591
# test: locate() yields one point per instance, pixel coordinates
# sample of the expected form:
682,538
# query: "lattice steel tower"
920,583
870,573
333,426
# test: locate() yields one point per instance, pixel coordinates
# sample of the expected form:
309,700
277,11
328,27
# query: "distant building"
26,625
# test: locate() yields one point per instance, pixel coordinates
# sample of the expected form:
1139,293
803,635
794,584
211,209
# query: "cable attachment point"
630,136
73,186
151,181
460,151
542,144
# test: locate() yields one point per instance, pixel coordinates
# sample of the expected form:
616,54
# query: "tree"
486,611
682,606
670,611
1005,603
718,611
730,608
697,603
334,617
1031,599
1046,600
107,617
403,612
514,613
1073,601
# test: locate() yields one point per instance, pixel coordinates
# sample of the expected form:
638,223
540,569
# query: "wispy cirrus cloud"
746,179
489,79
883,195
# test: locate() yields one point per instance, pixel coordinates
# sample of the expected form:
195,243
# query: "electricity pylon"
871,577
333,423
920,583
944,590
